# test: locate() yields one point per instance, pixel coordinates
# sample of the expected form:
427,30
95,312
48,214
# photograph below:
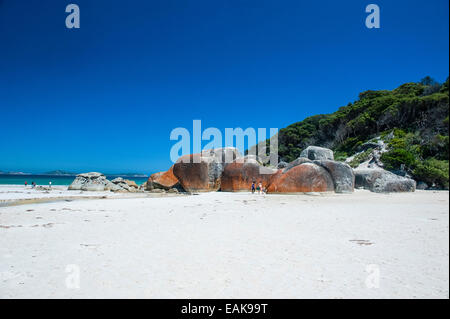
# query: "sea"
55,179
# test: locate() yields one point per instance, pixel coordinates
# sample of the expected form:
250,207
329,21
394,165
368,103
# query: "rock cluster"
314,171
225,169
123,185
97,182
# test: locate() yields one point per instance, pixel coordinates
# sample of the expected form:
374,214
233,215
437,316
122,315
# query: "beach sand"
226,245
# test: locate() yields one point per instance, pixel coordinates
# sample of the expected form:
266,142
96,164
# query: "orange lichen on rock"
303,178
198,172
163,180
239,175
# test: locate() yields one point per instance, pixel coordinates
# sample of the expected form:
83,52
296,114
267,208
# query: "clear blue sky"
105,97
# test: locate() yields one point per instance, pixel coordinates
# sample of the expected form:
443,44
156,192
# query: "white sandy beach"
14,193
225,245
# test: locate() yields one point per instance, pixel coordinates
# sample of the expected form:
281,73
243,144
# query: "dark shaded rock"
282,165
370,145
422,185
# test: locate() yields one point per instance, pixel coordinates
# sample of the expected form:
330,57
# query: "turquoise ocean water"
55,179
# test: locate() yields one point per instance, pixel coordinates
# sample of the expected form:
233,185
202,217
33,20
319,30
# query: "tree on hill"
414,116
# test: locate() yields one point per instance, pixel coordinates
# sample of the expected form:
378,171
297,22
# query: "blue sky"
105,97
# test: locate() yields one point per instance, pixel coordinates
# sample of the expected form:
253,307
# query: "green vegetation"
361,157
413,119
432,171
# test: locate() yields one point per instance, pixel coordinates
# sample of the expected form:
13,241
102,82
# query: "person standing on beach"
50,184
26,183
253,187
259,187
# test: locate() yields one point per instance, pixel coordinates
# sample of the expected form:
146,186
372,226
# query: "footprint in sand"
361,242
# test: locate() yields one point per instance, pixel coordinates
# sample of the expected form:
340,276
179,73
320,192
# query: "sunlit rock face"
341,173
239,175
162,180
92,181
382,181
198,172
303,178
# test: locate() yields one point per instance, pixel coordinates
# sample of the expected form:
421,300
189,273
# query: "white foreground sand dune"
228,245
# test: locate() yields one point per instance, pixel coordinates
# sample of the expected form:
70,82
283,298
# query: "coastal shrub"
394,159
433,172
350,145
361,157
340,156
437,147
444,87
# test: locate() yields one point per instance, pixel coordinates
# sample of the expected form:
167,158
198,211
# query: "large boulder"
303,178
317,153
382,181
341,173
162,180
91,182
199,172
239,175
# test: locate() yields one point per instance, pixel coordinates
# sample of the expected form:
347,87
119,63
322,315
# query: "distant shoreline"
63,180
69,174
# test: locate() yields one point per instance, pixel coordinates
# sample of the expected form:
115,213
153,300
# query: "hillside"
412,120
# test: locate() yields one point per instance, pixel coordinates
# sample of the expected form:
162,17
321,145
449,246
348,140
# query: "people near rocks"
259,188
26,183
253,187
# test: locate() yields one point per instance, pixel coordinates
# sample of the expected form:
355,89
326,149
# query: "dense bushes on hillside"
414,116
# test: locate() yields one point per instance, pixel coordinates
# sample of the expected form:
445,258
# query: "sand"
227,245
